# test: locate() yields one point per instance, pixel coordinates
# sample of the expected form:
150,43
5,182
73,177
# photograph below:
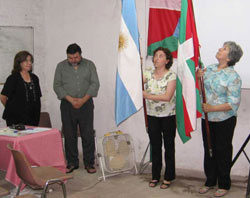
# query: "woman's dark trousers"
218,167
162,128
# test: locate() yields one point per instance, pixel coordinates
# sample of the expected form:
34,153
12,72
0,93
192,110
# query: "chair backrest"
23,168
45,120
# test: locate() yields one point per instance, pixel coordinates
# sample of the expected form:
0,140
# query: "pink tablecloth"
41,149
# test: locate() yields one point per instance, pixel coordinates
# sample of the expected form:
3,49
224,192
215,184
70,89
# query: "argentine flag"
129,77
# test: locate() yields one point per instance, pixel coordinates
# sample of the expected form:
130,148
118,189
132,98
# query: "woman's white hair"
235,52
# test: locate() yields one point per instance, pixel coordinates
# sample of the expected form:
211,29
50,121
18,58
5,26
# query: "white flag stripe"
129,67
185,52
166,4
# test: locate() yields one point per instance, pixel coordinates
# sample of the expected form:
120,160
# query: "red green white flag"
188,106
172,25
163,27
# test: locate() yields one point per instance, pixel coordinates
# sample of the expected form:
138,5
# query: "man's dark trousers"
83,117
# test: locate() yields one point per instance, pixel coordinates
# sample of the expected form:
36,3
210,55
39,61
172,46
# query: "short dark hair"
168,56
73,48
19,58
235,52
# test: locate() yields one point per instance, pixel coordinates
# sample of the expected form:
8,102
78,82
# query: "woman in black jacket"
21,93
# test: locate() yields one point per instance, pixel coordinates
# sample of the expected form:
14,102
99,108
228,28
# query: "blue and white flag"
129,76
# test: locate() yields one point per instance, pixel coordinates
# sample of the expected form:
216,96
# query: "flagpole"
144,101
142,164
203,93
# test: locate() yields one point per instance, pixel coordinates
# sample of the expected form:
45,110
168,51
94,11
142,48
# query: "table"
41,149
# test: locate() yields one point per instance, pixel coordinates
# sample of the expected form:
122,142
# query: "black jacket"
17,104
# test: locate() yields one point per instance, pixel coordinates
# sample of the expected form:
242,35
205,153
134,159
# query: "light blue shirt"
221,87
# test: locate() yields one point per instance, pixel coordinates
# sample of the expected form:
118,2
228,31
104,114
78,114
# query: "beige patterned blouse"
158,87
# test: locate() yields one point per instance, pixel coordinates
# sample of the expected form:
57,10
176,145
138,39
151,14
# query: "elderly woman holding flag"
160,98
222,87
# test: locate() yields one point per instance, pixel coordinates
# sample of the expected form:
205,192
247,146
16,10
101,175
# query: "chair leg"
64,190
19,188
43,195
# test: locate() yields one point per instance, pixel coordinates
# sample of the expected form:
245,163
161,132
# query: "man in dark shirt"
75,83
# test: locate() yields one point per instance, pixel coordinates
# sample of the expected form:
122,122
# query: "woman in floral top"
222,87
160,98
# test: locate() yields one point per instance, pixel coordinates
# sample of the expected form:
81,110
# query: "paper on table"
33,130
9,132
29,130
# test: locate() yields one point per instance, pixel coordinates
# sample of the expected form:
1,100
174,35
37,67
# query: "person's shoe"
205,189
90,169
153,183
165,184
71,168
220,192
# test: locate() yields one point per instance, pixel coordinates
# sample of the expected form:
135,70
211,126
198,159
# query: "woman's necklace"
29,86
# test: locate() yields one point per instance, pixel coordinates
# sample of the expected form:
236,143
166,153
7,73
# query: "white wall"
27,13
94,25
220,21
